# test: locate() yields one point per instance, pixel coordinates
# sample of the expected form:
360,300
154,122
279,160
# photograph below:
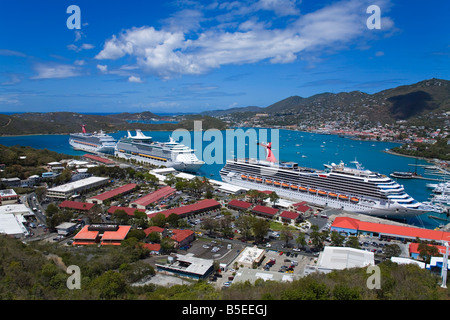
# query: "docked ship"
96,142
169,154
336,186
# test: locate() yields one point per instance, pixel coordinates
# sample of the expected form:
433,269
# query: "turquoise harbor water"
307,149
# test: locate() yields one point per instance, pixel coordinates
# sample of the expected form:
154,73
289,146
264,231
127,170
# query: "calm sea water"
307,149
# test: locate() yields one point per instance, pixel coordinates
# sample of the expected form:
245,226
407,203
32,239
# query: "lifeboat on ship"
332,195
354,200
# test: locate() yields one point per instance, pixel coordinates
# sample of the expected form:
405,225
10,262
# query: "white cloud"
102,68
134,79
84,46
172,51
55,71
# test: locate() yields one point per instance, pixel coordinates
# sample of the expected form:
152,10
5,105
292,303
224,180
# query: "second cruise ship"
169,154
337,186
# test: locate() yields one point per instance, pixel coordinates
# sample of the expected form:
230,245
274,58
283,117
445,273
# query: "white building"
340,258
250,256
66,190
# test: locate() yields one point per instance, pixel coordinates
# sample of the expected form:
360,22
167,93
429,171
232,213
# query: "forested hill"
70,122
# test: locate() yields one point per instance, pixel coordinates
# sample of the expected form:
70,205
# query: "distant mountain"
217,113
419,102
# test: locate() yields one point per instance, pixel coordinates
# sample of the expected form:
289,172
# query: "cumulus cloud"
171,51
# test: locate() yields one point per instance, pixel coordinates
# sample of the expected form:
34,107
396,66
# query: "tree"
337,239
427,251
286,234
244,224
301,239
353,242
260,228
273,198
392,250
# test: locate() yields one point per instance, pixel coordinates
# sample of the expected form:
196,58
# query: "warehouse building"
146,201
67,190
186,211
123,190
340,258
387,231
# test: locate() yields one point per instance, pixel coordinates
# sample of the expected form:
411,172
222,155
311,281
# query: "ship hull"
191,167
373,209
90,148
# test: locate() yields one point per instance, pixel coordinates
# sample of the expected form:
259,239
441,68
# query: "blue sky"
193,56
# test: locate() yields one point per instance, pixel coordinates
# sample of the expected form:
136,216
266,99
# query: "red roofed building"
289,216
128,210
414,250
184,211
113,193
264,211
182,237
158,195
104,234
98,159
239,205
76,205
154,248
354,226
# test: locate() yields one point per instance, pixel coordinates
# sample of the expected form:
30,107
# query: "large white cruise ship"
92,142
169,154
337,186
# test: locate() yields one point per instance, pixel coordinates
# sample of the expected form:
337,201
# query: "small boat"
404,175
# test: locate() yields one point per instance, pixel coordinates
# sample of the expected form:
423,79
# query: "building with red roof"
104,234
112,193
152,198
264,211
154,229
414,250
182,237
191,209
128,210
239,204
154,248
98,159
289,216
355,226
76,205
